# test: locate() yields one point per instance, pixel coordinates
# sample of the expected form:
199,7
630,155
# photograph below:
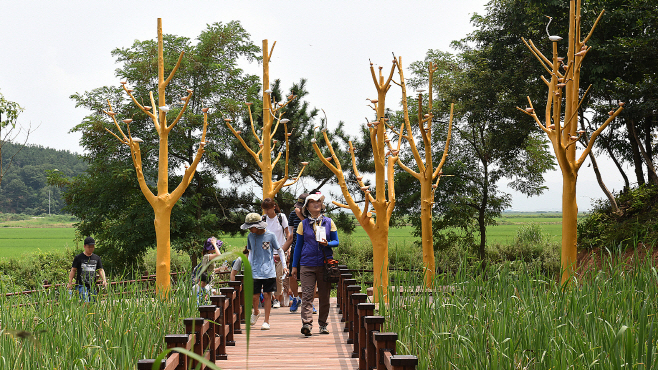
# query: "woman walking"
316,236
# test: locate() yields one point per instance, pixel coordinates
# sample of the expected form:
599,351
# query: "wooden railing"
373,348
207,335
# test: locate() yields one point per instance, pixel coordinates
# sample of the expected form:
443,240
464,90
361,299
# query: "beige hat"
315,197
253,220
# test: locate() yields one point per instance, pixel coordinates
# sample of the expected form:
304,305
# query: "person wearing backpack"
277,224
203,273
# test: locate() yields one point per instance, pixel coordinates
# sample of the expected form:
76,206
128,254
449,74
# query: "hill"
24,188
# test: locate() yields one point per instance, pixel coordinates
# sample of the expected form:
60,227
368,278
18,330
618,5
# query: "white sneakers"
254,318
265,326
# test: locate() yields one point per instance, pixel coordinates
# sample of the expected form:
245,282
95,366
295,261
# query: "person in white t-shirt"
277,224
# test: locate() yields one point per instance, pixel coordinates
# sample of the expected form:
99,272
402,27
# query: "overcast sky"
52,49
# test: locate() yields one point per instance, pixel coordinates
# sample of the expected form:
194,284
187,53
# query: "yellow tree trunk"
569,226
163,252
427,236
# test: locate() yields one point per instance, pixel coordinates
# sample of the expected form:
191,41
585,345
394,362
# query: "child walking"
262,245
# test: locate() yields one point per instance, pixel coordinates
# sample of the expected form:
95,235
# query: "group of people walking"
282,252
276,247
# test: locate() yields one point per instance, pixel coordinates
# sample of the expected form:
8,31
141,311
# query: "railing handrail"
145,278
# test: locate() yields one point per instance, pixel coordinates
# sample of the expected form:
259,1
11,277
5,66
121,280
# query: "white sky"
52,49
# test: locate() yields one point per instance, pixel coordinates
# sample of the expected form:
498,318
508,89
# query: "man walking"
84,270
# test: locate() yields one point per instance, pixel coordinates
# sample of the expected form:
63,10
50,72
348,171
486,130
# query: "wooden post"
364,309
384,342
198,326
240,278
221,301
351,289
181,341
238,307
373,325
230,314
357,298
340,293
346,283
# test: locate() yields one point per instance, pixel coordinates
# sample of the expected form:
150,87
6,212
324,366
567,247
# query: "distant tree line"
24,188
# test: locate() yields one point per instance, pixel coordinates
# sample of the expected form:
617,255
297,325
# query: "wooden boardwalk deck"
284,347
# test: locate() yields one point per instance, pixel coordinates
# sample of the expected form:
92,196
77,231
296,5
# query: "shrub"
532,246
637,223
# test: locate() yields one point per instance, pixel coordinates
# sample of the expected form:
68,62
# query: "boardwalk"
284,347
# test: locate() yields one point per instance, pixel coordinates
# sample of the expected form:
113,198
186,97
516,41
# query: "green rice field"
18,238
16,242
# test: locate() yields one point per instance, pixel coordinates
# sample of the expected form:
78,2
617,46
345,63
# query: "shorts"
265,285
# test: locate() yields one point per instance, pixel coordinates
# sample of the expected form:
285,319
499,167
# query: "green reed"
58,331
55,330
509,318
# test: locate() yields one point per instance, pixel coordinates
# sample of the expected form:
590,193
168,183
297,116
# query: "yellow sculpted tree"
375,222
272,111
427,175
561,127
163,202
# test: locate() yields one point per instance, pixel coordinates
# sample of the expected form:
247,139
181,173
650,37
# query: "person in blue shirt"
316,236
261,245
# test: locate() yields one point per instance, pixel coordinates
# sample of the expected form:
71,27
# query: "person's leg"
279,281
324,293
268,305
83,293
269,287
255,304
308,291
258,285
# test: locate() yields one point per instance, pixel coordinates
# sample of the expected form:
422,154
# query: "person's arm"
217,253
283,258
71,277
101,272
288,242
333,239
298,248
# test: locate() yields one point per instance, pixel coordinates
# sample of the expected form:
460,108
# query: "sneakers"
276,303
296,301
266,326
306,330
254,318
324,330
314,310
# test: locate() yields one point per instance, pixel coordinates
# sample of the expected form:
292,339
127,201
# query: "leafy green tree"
208,67
623,58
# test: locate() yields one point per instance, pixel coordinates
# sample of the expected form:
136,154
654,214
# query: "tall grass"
55,330
505,318
58,331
